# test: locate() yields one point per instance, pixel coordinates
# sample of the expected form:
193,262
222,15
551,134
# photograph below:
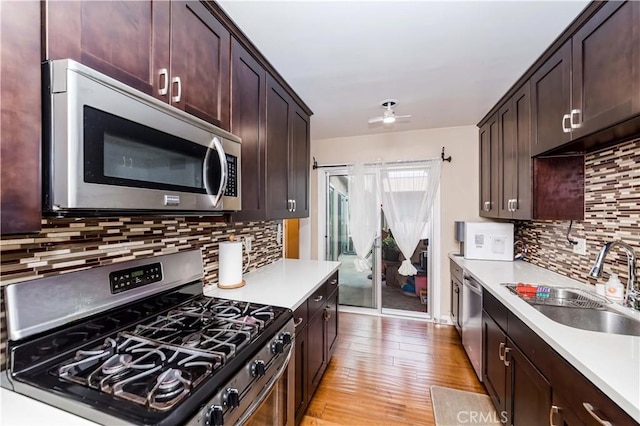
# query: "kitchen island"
610,361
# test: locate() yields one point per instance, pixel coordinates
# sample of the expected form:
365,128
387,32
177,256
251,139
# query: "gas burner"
169,380
116,364
192,340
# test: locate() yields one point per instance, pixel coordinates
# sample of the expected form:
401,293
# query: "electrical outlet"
247,244
581,247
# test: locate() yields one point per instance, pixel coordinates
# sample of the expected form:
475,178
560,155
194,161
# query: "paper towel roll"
230,265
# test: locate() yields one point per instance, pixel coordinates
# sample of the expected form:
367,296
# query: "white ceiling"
447,62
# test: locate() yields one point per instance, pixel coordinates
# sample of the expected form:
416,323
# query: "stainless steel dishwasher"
472,322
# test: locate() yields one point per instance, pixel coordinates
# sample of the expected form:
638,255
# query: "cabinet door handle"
566,129
334,281
295,205
553,410
515,204
592,411
298,322
576,124
487,206
177,82
500,351
318,299
506,360
165,87
327,314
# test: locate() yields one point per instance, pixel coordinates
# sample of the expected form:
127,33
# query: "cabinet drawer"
495,308
300,315
576,390
531,345
332,284
456,270
317,300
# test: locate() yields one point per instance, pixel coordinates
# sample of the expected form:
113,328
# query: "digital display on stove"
131,278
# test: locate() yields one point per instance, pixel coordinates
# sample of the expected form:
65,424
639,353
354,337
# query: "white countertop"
19,410
610,361
286,283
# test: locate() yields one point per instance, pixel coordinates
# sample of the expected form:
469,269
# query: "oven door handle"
222,157
267,388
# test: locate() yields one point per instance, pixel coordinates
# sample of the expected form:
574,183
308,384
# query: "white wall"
459,182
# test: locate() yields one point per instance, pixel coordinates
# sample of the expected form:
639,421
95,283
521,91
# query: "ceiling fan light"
388,120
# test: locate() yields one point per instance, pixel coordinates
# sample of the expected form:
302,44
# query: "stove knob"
286,338
277,347
257,368
214,416
232,399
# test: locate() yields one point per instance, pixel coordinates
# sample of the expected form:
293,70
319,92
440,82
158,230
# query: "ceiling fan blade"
375,120
403,118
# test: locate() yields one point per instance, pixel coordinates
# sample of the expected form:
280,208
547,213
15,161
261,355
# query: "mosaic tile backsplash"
612,212
66,245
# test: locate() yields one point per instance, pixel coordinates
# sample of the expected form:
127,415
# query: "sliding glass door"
357,289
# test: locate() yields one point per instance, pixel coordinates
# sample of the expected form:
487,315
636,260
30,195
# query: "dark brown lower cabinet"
530,383
528,391
316,359
331,319
300,398
316,338
562,415
494,374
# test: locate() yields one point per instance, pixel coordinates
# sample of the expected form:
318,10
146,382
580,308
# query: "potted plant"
390,250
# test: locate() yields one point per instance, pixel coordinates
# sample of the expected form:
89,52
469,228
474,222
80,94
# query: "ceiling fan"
389,116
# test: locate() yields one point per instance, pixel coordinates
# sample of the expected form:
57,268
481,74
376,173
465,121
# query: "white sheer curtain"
408,192
363,212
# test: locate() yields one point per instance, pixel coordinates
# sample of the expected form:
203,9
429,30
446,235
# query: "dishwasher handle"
472,285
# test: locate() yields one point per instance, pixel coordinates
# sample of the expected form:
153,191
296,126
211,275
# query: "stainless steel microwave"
110,148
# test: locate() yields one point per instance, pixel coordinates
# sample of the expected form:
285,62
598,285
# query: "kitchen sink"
576,308
558,296
602,320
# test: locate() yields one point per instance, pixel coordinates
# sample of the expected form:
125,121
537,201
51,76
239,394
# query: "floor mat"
452,407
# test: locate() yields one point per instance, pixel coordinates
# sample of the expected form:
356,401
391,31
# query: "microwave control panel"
131,278
232,181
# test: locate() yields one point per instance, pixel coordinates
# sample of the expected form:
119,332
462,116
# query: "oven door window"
273,409
123,153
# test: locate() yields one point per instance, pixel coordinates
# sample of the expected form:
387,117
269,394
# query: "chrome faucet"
632,294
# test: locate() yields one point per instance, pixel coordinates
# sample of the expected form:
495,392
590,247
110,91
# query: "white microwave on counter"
488,241
111,148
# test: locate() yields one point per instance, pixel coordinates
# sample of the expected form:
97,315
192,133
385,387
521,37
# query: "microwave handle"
215,144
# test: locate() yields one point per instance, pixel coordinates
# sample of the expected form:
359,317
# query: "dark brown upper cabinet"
200,48
590,83
489,159
287,158
299,162
606,68
514,159
248,119
176,51
551,102
20,117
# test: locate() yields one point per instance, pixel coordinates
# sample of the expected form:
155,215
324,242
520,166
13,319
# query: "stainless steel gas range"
138,343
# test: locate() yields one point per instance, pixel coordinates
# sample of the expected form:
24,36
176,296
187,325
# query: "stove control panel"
131,278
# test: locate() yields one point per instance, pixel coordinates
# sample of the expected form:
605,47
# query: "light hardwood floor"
382,369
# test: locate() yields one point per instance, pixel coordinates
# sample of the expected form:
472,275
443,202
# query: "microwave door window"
137,161
124,153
